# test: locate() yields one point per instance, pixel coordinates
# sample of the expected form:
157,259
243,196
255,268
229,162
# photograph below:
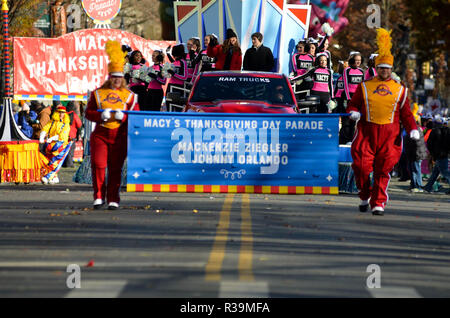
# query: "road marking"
394,292
217,255
240,289
98,289
246,252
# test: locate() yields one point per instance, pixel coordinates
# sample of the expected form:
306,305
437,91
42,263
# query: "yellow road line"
218,251
246,253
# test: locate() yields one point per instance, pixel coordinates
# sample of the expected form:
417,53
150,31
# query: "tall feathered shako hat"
116,58
384,43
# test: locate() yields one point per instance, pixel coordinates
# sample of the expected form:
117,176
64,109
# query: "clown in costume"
378,106
109,139
57,145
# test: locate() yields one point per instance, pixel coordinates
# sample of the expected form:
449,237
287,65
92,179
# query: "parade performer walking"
323,82
207,63
352,77
311,46
379,105
156,81
202,61
134,72
324,42
57,145
339,90
302,62
370,72
193,48
109,139
178,73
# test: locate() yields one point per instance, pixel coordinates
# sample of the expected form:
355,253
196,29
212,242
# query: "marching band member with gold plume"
109,139
378,106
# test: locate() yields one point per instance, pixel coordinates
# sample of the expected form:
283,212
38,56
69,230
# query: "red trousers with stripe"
375,148
108,150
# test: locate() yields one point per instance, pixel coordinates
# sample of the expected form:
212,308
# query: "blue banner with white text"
275,150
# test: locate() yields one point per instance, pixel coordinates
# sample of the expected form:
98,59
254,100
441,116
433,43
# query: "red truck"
240,92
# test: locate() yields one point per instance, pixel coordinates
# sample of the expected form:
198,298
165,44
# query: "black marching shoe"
113,206
98,203
378,210
364,206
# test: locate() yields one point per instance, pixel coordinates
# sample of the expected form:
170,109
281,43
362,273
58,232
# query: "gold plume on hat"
415,112
116,57
384,43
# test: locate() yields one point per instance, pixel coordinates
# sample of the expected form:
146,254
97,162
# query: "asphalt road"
220,245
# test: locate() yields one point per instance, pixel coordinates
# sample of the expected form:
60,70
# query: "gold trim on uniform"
381,99
114,99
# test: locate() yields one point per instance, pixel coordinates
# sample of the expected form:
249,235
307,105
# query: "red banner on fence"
71,65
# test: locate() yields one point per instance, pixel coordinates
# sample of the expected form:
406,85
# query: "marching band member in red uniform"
109,139
379,105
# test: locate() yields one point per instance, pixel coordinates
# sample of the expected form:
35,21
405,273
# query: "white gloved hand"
119,115
54,138
414,134
42,137
355,115
106,114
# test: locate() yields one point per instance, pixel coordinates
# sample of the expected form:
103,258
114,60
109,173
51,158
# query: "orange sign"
102,10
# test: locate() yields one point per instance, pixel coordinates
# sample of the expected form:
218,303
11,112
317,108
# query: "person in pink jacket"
156,82
322,78
178,73
352,77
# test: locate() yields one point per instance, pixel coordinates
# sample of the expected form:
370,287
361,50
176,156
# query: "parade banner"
253,153
66,68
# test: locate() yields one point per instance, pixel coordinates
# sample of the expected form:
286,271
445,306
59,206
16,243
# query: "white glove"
42,137
54,138
106,114
414,134
119,115
355,115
